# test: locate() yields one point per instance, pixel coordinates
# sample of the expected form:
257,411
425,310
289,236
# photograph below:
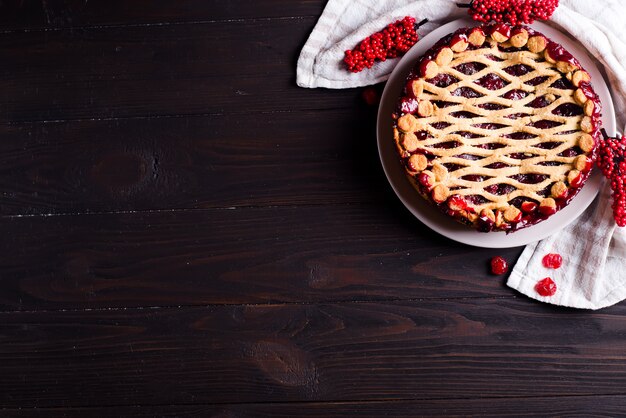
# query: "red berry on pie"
552,261
457,203
529,207
426,179
546,287
499,265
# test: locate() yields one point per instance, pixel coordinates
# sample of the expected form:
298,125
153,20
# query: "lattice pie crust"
497,127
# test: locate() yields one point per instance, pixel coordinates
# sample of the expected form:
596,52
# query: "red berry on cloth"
393,41
612,162
513,12
499,265
552,261
546,287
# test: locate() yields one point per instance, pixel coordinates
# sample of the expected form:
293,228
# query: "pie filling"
497,127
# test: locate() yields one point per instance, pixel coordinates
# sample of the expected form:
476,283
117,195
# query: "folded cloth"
594,258
593,248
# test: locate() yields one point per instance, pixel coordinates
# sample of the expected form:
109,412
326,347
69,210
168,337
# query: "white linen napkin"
593,274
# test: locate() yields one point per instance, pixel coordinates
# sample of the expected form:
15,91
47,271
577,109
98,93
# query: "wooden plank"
111,72
34,14
318,253
291,158
293,353
609,406
18,14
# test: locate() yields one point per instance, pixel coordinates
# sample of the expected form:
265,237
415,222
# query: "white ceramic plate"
428,214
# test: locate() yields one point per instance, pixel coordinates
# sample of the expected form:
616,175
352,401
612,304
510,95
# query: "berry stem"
604,134
420,24
464,5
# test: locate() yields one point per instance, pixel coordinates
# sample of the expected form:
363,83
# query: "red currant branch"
514,12
612,162
421,23
393,41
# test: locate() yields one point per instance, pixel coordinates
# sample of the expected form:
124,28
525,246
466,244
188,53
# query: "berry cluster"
393,41
513,12
612,162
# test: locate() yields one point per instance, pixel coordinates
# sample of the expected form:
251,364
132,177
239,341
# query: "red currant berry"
499,265
546,287
424,180
552,261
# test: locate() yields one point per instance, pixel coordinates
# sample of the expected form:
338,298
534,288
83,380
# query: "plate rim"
439,222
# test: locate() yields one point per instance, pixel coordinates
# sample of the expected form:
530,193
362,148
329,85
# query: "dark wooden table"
187,233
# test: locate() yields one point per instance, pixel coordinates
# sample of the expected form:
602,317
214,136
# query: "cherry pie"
497,126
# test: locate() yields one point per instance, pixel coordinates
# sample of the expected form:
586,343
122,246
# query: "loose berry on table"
499,265
370,96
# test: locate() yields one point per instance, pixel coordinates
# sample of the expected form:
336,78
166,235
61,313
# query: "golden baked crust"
483,128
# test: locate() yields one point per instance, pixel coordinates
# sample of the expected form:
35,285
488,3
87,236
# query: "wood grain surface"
188,233
556,407
311,352
191,162
162,70
233,256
